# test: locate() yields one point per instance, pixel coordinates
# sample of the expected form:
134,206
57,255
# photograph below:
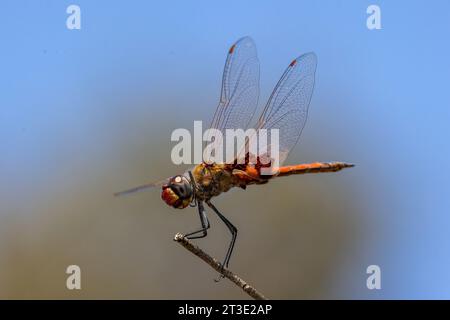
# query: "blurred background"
85,113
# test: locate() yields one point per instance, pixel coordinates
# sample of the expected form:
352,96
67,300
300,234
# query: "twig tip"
178,237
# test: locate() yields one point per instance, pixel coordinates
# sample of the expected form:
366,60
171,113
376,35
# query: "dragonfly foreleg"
232,229
203,220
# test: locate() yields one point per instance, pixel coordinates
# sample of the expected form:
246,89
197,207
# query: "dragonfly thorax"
212,180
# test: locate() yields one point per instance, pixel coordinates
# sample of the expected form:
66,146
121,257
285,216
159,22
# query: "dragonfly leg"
232,229
203,220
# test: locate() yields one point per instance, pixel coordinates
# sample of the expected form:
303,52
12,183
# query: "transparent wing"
141,188
240,87
287,108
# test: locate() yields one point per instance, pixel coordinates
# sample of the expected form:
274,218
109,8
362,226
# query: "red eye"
169,196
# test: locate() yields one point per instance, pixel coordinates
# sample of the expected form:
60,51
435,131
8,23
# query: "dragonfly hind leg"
233,231
203,232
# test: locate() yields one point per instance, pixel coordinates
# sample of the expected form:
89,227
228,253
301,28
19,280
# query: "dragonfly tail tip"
349,165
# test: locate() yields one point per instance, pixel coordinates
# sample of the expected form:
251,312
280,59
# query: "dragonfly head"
177,192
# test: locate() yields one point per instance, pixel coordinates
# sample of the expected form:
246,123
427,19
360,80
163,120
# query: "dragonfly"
286,110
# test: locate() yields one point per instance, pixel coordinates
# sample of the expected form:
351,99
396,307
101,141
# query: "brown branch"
252,292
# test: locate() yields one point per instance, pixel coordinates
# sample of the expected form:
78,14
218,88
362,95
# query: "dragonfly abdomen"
315,167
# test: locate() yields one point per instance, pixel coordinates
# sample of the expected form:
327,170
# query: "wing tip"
118,194
312,55
246,41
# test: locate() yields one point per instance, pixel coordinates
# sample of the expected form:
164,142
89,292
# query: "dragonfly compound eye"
178,193
183,189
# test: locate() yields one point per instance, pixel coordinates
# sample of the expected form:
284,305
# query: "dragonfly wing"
141,188
287,107
240,88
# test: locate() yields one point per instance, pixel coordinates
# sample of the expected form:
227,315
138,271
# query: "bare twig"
252,292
